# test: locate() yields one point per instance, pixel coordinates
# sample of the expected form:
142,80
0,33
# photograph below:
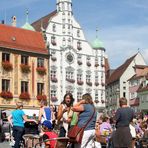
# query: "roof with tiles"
115,76
43,22
22,39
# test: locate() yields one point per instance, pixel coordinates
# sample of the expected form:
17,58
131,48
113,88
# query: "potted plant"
89,83
7,65
25,68
53,58
97,83
41,97
96,64
79,62
88,64
70,80
6,94
24,95
54,79
96,101
79,82
54,99
41,70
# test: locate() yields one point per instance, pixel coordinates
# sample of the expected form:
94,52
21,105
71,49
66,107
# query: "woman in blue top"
85,108
16,120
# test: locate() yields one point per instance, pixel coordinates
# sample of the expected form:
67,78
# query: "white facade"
70,54
120,88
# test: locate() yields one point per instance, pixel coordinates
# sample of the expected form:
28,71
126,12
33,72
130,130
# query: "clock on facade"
70,57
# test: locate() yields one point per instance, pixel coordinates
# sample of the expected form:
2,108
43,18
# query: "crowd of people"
123,130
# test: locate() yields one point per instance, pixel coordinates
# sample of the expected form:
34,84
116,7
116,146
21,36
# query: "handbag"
101,139
75,133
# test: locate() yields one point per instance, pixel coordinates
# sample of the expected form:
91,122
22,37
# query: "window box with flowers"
41,97
41,70
54,79
53,58
88,64
25,68
102,101
89,83
24,96
79,82
54,99
79,62
70,80
96,101
7,65
96,64
79,47
6,94
102,65
53,41
97,83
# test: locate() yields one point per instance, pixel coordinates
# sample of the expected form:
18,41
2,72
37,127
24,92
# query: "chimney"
3,22
14,21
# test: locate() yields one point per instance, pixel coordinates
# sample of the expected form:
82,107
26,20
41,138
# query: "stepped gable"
43,22
22,39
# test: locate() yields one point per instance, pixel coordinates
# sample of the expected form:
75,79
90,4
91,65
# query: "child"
48,134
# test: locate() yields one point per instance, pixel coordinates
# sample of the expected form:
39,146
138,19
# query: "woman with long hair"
86,111
64,114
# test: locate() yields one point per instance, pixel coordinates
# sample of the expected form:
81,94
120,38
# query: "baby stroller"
31,134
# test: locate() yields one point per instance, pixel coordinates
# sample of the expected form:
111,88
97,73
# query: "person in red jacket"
48,134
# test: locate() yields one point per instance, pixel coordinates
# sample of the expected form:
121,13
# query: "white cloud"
123,42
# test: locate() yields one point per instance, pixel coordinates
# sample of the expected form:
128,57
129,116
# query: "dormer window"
79,45
54,28
69,41
78,33
53,40
64,42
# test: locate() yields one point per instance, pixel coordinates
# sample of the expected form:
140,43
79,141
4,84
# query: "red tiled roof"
21,39
142,89
43,22
120,70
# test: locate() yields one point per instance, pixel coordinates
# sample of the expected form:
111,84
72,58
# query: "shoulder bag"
75,133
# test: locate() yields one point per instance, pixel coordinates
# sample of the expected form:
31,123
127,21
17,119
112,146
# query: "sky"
122,24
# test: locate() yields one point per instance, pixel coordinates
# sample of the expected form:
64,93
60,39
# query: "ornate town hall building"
75,65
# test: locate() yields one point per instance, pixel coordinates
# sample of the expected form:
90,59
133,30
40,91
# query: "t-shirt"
85,116
50,135
105,127
124,116
17,117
